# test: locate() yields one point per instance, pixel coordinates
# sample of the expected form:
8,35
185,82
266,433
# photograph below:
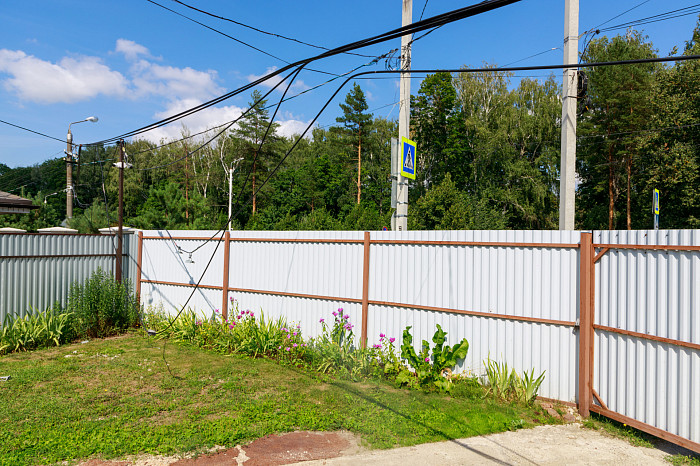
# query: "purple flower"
335,313
346,317
391,340
322,320
381,335
252,314
199,322
340,310
216,311
295,334
231,326
279,347
427,359
231,299
287,348
376,346
295,345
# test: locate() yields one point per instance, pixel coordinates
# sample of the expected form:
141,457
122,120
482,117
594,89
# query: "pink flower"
295,345
427,359
216,311
287,348
381,335
295,333
322,320
346,317
340,310
231,299
231,326
376,346
335,313
391,340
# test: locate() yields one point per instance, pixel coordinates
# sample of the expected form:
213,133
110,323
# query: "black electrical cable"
376,59
291,39
651,19
35,132
233,38
262,141
428,23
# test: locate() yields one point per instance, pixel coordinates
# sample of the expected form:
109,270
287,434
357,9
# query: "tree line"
488,158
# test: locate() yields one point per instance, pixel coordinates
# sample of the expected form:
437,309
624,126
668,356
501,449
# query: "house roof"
11,204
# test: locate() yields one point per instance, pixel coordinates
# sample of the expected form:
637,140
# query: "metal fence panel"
38,282
653,292
540,282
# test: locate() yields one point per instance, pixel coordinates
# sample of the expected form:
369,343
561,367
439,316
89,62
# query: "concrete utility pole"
567,177
401,213
69,166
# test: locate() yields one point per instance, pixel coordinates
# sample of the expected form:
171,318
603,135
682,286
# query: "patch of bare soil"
273,450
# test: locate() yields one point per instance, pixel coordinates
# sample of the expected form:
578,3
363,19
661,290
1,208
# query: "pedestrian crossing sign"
408,158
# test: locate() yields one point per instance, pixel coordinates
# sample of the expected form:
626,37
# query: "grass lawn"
116,397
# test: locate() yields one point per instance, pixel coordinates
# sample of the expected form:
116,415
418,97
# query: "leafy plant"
35,330
101,306
432,373
507,384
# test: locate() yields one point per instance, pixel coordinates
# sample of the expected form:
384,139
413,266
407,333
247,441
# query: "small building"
11,204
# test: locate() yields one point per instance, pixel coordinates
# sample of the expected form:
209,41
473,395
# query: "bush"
102,307
35,330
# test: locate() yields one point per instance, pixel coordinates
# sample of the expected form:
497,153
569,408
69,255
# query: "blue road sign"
408,158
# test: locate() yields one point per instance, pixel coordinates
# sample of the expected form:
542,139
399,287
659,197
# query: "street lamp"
69,166
230,187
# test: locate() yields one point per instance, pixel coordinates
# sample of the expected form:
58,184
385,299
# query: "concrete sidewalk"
545,445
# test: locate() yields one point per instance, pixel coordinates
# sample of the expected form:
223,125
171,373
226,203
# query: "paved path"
545,445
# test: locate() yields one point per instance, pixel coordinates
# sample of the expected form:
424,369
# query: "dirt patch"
289,448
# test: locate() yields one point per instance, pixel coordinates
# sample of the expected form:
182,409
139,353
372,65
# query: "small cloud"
70,80
131,50
32,41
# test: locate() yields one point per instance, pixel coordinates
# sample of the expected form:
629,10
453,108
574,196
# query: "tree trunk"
611,190
629,191
359,167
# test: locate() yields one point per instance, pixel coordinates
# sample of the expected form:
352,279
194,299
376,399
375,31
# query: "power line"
621,14
291,39
425,24
32,131
231,37
691,10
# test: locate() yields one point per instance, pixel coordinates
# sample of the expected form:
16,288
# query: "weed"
35,330
431,374
507,384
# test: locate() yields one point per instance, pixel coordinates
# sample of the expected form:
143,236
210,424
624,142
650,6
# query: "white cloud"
70,80
292,127
130,49
298,85
200,121
175,83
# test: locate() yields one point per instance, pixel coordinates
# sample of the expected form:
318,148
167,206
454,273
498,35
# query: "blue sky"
131,62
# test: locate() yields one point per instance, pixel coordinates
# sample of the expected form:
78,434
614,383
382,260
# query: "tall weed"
101,306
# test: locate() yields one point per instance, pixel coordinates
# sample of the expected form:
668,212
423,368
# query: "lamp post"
69,167
230,188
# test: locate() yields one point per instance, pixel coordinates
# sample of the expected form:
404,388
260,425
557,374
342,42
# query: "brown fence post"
224,298
585,356
365,290
138,267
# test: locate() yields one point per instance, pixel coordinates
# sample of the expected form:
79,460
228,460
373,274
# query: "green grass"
620,430
115,397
